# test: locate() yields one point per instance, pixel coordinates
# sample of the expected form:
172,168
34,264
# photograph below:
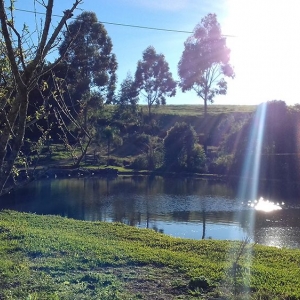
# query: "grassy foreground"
49,257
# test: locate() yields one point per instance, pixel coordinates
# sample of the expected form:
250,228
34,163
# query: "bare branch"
45,46
61,24
19,44
9,47
45,33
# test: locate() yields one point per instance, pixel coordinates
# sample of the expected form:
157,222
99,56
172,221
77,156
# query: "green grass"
198,110
49,257
190,110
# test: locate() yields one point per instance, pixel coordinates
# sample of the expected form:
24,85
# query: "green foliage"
153,78
140,140
278,157
205,61
88,55
198,159
146,161
126,101
152,151
112,136
181,149
276,124
89,70
140,162
222,164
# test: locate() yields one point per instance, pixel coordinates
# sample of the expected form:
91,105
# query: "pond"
188,208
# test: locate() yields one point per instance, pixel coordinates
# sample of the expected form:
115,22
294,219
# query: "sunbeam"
248,187
249,183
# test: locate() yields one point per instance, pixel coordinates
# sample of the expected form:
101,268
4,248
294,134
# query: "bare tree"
22,65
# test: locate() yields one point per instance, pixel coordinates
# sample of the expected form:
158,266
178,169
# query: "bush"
222,164
179,145
144,161
140,162
112,161
198,158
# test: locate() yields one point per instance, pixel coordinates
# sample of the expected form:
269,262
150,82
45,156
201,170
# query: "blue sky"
265,47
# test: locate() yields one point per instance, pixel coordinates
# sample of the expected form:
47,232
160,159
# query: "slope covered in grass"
49,257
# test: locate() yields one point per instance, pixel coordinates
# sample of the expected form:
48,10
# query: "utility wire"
124,25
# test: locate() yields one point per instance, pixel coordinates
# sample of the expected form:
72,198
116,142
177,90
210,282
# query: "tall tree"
26,64
153,78
127,100
205,61
111,136
91,63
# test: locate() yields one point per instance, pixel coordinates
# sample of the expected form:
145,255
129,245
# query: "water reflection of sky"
193,230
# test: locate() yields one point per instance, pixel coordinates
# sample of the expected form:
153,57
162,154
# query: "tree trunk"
108,151
149,111
17,127
83,154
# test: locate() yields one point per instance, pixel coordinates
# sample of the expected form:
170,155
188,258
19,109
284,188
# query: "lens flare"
250,175
248,186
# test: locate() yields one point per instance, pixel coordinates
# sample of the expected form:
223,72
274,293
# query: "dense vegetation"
47,257
184,139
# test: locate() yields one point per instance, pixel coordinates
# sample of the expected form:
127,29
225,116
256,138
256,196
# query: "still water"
187,208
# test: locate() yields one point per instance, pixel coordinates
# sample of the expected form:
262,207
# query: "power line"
124,25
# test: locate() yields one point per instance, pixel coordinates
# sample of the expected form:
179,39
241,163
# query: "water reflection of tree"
184,216
204,223
124,210
203,202
156,229
181,216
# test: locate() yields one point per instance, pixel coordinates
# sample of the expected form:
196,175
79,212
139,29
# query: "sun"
264,47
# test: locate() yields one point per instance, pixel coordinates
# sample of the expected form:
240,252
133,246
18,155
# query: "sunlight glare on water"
264,205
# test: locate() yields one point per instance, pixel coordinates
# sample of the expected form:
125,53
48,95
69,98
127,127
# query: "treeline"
70,104
228,144
220,144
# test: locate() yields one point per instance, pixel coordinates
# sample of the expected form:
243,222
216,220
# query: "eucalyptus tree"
91,64
205,61
153,78
21,67
127,101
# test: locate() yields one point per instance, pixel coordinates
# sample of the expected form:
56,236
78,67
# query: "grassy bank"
48,257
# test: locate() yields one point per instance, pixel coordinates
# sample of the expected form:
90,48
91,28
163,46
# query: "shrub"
198,158
222,164
140,162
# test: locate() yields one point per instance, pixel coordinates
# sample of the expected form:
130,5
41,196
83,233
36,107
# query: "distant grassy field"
192,110
49,257
198,110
